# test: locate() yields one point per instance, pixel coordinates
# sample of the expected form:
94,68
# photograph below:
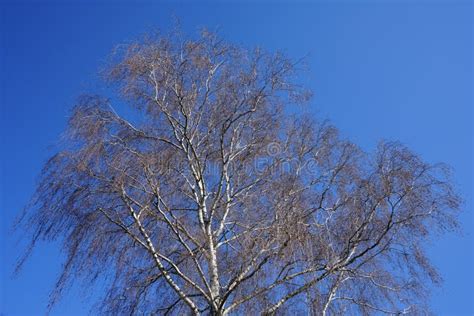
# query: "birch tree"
218,194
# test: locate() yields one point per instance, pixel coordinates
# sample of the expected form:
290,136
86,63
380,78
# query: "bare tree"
216,196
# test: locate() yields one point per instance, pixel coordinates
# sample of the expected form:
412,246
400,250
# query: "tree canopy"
219,194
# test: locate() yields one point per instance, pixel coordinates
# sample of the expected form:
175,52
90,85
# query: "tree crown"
221,199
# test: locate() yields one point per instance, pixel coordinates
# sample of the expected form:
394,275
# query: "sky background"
397,70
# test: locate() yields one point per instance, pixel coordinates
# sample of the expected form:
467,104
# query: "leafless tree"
216,194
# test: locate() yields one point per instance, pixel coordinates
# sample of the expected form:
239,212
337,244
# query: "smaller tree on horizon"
218,195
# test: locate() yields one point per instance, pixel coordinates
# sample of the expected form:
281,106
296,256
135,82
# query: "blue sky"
398,70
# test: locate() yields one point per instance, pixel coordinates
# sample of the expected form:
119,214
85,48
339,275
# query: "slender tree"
215,196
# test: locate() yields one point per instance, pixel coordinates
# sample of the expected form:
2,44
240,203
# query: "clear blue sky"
394,70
